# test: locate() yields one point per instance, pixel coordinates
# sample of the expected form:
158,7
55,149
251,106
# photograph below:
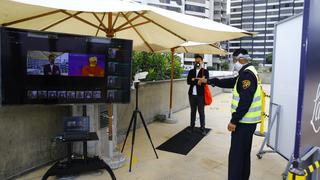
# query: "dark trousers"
240,151
197,102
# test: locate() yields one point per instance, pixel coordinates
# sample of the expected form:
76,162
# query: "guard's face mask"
238,66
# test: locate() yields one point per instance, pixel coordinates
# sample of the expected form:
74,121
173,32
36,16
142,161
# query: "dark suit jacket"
47,70
192,74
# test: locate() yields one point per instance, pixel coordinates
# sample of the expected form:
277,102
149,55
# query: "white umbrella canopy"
199,48
151,29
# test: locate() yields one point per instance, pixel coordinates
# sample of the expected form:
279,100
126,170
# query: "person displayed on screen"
51,68
93,69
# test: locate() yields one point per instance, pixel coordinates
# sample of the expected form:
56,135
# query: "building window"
235,10
247,8
257,8
259,26
286,5
298,11
247,38
273,7
260,14
177,9
195,8
247,1
198,1
286,11
247,26
235,44
247,14
179,2
247,20
270,13
235,4
165,1
235,21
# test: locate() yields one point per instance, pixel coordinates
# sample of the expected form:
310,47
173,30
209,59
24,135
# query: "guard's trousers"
240,150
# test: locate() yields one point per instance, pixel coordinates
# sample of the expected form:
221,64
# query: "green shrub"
158,65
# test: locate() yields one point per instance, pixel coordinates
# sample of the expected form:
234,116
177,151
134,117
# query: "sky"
228,6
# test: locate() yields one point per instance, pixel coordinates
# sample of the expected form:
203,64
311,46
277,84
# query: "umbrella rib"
58,22
114,23
138,33
101,23
31,18
128,21
213,46
162,27
185,49
84,21
139,24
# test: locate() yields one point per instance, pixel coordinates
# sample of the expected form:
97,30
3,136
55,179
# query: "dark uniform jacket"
246,87
192,74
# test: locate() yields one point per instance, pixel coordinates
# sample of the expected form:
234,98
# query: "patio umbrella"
151,29
199,48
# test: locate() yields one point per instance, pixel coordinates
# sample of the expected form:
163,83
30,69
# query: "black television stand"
78,166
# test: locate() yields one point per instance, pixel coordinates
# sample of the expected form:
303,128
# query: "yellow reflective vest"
254,113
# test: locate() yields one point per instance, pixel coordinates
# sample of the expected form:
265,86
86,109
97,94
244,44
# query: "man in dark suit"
197,78
51,68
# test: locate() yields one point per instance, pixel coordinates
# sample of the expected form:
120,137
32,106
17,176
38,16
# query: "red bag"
207,93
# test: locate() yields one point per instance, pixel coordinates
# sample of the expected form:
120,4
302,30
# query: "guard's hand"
232,127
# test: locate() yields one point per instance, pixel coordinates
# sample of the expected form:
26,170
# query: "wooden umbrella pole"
110,31
171,81
110,34
110,118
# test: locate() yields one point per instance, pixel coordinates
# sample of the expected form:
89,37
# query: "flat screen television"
54,68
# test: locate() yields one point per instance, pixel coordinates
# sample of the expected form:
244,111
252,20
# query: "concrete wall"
26,131
154,100
25,137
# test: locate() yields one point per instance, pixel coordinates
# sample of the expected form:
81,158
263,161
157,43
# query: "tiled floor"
207,161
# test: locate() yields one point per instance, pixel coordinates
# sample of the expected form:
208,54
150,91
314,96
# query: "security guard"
246,113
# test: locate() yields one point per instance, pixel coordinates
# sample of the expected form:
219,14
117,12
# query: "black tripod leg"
146,128
128,131
133,137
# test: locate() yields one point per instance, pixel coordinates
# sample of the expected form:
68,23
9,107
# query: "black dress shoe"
203,131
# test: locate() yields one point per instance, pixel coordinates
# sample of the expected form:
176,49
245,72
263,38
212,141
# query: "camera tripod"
133,122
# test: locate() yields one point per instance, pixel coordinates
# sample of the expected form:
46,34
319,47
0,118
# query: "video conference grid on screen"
53,68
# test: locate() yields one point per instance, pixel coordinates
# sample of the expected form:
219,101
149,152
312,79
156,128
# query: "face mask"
237,66
197,65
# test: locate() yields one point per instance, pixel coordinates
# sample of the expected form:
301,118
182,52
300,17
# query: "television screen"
54,68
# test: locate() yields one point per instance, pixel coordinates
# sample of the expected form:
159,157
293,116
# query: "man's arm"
190,79
246,87
223,83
